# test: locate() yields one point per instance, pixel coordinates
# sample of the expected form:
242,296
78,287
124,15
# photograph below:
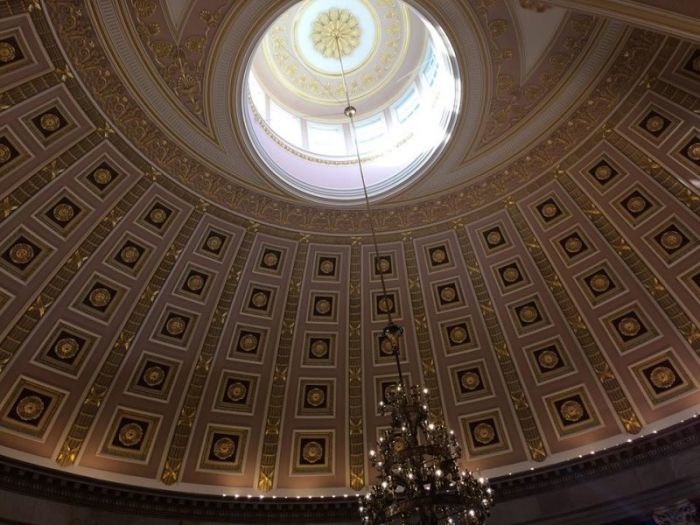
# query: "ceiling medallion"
224,448
63,212
662,377
571,411
694,151
130,434
248,342
5,153
315,397
494,237
100,297
528,314
438,256
602,172
600,282
104,176
50,122
195,282
7,52
66,348
470,381
511,274
319,348
157,215
573,245
21,253
30,408
548,359
458,335
312,452
130,254
336,33
154,376
237,391
671,240
484,433
175,325
629,326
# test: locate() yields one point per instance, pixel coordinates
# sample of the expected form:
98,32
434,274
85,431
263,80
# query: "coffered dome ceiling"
175,313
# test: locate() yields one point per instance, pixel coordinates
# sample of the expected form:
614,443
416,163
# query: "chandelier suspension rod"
350,111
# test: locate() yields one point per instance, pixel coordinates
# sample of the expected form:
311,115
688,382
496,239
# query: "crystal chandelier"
416,461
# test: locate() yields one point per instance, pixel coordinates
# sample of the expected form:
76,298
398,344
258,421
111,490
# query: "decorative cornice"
67,488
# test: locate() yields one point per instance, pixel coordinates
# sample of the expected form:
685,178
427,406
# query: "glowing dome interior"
400,75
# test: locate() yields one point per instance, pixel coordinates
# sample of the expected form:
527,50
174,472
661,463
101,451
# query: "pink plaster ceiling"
165,326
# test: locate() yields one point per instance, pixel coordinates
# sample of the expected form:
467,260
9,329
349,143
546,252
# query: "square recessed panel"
572,411
604,173
629,327
549,360
528,315
439,257
194,283
63,213
224,449
316,397
319,349
130,435
458,335
672,241
637,205
510,276
99,298
312,452
654,125
574,246
214,244
50,123
470,381
270,260
11,53
382,305
599,284
158,216
448,295
383,265
383,350
259,300
323,307
662,377
153,377
484,433
326,267
175,327
248,343
10,152
494,238
30,407
130,255
236,392
66,349
22,253
102,178
691,151
549,211
692,65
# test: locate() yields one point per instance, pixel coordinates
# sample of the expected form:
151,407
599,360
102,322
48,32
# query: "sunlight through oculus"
401,76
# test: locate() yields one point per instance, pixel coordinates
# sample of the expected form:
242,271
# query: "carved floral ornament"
172,160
